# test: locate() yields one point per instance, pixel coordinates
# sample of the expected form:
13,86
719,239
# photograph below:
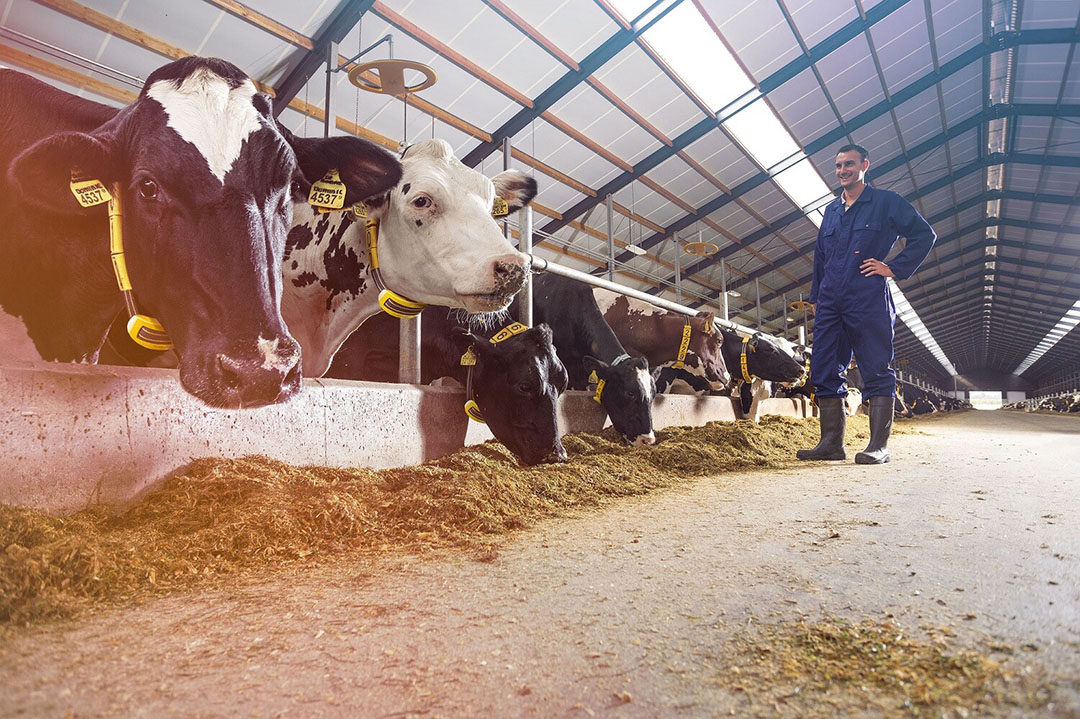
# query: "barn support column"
507,151
331,66
610,241
784,333
678,269
757,301
723,288
409,350
525,301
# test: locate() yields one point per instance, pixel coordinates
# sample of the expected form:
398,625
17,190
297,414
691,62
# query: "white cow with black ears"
438,243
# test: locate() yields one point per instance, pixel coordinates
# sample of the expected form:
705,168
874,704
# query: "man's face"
850,168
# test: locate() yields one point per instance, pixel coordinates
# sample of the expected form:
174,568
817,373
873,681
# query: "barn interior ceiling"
705,121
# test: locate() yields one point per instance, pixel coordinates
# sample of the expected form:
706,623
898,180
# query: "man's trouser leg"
870,329
832,353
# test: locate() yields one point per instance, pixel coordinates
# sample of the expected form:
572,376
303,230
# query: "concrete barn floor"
626,611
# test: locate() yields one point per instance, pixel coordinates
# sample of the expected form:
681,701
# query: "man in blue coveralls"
853,309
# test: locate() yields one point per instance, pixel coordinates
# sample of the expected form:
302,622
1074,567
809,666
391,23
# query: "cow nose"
641,439
271,374
509,272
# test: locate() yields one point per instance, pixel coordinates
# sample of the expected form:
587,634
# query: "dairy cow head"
627,396
516,385
207,179
442,244
765,359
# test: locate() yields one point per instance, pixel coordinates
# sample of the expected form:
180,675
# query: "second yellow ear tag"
329,192
360,210
90,192
469,358
593,379
500,208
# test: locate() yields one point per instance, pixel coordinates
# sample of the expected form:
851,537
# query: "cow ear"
365,168
592,364
515,187
42,173
641,363
463,339
708,319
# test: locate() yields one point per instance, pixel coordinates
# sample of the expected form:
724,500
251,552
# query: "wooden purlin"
264,22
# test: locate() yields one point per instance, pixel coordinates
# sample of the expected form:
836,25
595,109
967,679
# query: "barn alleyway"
632,610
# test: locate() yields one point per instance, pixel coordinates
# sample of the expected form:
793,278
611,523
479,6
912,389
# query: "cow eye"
148,189
421,201
525,388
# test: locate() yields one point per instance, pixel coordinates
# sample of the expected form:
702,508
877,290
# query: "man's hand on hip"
875,267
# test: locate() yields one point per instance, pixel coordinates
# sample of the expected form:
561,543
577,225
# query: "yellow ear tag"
593,379
469,358
360,211
328,192
500,208
474,412
599,391
90,192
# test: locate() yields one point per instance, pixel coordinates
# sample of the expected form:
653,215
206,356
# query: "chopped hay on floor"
833,667
224,518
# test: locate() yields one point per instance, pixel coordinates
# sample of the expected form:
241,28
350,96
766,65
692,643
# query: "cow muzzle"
506,276
265,374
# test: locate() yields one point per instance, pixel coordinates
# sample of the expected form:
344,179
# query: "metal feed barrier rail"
409,343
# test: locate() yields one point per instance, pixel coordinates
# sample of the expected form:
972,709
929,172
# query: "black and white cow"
516,382
586,344
437,244
208,180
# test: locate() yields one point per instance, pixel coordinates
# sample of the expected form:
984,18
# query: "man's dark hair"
864,154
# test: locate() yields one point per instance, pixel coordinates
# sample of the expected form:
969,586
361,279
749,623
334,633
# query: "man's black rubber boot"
881,416
833,421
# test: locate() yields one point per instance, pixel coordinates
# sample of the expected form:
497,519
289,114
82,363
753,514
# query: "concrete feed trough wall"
72,436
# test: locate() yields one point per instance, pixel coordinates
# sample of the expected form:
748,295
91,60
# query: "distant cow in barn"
669,339
204,181
516,381
435,241
586,345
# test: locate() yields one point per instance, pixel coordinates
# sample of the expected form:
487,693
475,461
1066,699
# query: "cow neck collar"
469,360
391,302
144,330
599,394
684,344
805,375
743,360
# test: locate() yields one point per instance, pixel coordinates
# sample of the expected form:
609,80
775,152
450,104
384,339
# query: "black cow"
207,180
516,382
586,344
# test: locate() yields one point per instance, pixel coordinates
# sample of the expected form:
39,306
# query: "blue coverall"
856,312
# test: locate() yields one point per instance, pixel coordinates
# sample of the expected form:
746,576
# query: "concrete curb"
73,436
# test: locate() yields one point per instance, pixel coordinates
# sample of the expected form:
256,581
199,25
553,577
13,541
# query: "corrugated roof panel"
802,106
1039,71
633,76
58,29
964,149
768,202
1072,83
186,25
305,18
1021,176
879,137
962,92
958,26
757,33
937,201
920,117
575,28
814,25
1047,212
720,156
684,182
1066,138
1049,13
591,114
1060,180
251,48
1032,134
851,86
903,46
969,186
735,220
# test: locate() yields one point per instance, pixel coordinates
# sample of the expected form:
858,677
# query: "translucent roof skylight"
907,313
1064,326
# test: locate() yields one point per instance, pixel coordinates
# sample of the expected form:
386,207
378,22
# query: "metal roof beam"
558,90
837,39
305,63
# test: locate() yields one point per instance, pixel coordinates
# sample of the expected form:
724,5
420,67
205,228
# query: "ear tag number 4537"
90,192
329,192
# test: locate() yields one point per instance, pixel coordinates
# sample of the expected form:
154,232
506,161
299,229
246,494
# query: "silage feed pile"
222,518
